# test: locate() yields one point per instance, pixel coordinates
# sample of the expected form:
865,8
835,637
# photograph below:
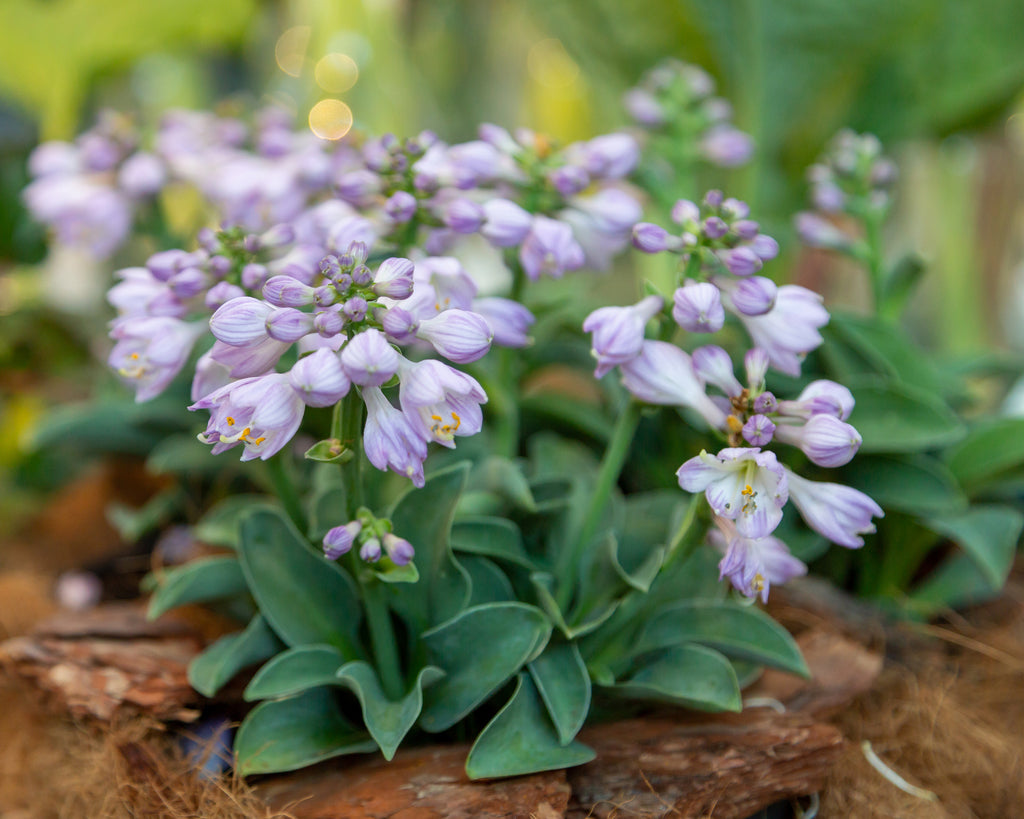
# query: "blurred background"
939,81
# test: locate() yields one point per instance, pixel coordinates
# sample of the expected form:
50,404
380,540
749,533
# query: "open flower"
753,564
789,330
390,440
618,332
150,351
840,513
664,374
262,413
439,401
744,485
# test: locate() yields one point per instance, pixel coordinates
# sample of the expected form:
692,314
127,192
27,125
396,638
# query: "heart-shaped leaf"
295,670
388,721
492,537
220,661
689,675
221,526
521,740
564,685
284,735
198,581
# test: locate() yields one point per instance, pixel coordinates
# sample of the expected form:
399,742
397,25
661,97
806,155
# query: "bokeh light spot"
550,64
336,72
290,50
330,119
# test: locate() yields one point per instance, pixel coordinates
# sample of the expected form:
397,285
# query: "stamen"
757,584
457,420
748,490
230,420
734,424
134,356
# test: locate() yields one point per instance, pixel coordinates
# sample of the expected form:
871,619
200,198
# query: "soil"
944,717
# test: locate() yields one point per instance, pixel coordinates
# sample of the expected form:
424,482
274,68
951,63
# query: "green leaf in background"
107,426
284,735
387,721
305,598
688,675
489,582
493,537
389,572
424,517
132,524
957,582
479,650
295,670
182,454
564,685
990,447
521,740
326,511
210,670
988,534
918,484
504,478
745,633
198,581
221,525
584,623
895,417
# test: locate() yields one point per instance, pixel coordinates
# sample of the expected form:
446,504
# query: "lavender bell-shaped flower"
150,351
824,439
697,308
840,513
714,366
389,440
753,564
439,401
505,223
368,359
510,321
664,374
338,541
745,485
550,249
821,397
618,332
459,335
789,330
319,379
262,413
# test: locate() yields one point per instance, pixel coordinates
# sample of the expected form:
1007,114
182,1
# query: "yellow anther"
134,356
748,490
230,420
457,420
734,423
437,418
258,441
757,584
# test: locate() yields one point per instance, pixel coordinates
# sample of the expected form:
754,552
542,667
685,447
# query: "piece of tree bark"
109,662
420,783
727,767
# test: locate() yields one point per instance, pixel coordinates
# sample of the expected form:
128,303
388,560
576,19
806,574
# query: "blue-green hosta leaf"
492,537
490,585
295,670
564,685
479,650
689,675
388,721
424,518
221,526
505,479
918,484
743,632
989,448
388,572
521,740
543,586
305,598
132,524
957,582
326,511
284,735
211,578
988,534
894,417
220,661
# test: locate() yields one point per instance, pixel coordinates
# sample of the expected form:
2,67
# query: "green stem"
346,425
607,477
382,639
876,271
506,408
284,488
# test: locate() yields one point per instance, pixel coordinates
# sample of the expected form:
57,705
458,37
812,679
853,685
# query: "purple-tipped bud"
401,206
459,335
828,197
766,403
463,216
355,308
166,263
358,251
822,397
764,247
550,249
368,359
824,439
252,243
370,550
734,209
338,541
241,321
362,275
697,308
208,241
644,108
714,227
254,276
330,266
399,549
611,156
569,179
509,320
188,283
650,238
754,295
740,261
219,266
758,430
726,146
394,278
756,362
319,379
324,296
277,236
685,212
746,229
328,323
400,325
714,198
289,324
714,366
618,332
816,231
221,293
505,223
284,291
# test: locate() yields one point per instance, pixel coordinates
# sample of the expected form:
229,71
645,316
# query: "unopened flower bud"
355,308
401,206
254,276
399,549
650,238
758,430
338,541
697,308
284,291
361,275
370,550
319,378
288,324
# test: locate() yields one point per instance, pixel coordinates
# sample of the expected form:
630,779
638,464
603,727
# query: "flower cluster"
681,97
745,484
852,179
374,537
